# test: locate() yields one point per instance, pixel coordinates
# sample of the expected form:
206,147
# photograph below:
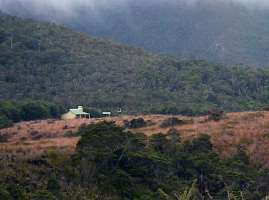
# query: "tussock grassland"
249,129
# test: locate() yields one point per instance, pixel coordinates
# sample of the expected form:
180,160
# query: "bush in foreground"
110,163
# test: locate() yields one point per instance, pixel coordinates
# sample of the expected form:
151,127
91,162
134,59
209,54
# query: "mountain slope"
220,31
49,62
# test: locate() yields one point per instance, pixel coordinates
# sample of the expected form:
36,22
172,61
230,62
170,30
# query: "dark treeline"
111,163
11,111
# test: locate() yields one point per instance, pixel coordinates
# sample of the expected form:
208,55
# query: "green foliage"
118,158
175,28
104,139
11,111
43,195
188,193
111,163
4,194
216,115
53,63
200,145
163,195
18,192
70,134
168,111
4,121
136,123
31,111
54,187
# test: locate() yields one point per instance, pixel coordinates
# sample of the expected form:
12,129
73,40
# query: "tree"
33,111
216,115
11,110
100,150
201,144
4,121
100,140
159,142
137,123
4,194
17,192
54,187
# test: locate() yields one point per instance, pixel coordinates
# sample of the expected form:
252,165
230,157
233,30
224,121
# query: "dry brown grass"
248,128
28,149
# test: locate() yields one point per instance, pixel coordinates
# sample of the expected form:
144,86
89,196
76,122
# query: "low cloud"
71,7
66,6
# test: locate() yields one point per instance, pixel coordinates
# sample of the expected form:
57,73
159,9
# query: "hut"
75,113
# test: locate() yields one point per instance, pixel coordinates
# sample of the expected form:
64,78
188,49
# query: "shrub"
70,134
55,110
33,111
10,110
266,108
18,192
174,136
27,110
266,136
3,138
35,135
216,115
136,123
199,144
43,195
169,111
5,122
53,186
172,121
4,194
82,129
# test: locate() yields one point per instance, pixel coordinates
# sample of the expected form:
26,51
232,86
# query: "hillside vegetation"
220,31
246,129
108,162
11,112
48,62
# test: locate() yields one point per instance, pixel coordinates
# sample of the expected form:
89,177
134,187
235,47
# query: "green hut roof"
78,112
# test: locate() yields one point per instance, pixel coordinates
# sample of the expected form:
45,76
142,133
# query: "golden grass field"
250,129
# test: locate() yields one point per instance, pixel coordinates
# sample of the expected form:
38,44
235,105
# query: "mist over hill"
230,32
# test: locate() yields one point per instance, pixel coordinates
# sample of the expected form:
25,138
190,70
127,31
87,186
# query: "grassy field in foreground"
248,129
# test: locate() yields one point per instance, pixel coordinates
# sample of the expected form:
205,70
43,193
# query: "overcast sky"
70,6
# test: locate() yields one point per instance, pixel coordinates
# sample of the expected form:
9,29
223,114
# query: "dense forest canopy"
43,61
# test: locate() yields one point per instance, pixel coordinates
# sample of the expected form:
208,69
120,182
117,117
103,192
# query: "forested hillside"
219,31
49,62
